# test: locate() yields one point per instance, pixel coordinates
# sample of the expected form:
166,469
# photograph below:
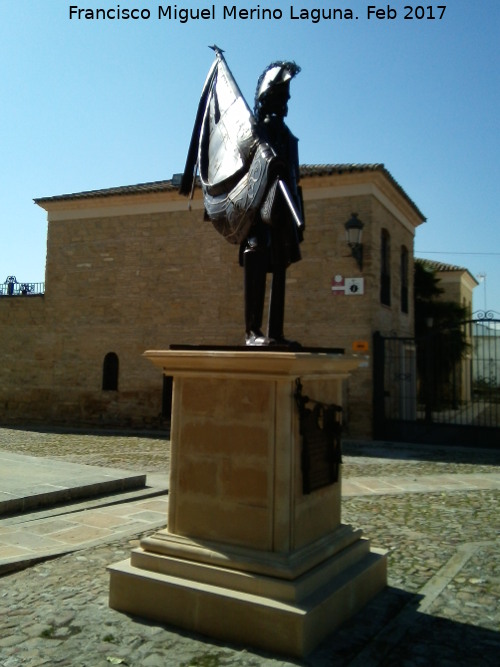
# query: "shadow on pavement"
390,632
410,452
162,433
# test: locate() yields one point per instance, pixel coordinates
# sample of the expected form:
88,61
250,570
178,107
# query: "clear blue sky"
88,104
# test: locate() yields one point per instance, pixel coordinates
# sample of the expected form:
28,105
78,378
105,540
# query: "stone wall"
130,273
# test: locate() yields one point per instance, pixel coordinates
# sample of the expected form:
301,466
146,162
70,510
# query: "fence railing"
429,389
11,287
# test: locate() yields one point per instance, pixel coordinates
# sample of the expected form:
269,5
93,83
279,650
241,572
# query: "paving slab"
30,482
365,486
35,536
30,537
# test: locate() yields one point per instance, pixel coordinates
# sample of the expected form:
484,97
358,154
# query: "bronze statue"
249,172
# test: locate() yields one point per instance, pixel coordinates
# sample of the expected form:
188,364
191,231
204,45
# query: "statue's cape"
233,162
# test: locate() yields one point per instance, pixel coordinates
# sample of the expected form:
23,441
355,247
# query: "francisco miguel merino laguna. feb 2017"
258,13
209,12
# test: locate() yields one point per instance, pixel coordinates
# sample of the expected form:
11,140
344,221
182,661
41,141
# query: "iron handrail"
11,287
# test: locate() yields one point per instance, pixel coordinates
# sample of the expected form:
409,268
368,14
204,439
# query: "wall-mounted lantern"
353,233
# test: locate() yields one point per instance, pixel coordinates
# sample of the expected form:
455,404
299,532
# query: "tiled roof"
307,170
431,265
140,188
328,169
441,267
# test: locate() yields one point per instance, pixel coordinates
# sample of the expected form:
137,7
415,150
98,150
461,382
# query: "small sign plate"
354,286
338,285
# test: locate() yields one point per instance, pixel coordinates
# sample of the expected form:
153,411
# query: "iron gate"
425,390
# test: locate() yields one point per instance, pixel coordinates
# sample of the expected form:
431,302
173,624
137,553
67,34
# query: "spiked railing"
11,287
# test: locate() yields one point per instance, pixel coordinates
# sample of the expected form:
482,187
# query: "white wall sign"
354,286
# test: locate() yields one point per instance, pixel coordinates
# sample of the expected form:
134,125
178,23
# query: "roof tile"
308,170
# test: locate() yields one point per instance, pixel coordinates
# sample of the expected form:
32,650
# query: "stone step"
30,483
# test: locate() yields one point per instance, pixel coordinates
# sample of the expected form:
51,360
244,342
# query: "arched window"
110,372
385,268
404,279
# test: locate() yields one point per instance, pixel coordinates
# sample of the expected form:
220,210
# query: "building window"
385,268
110,372
404,279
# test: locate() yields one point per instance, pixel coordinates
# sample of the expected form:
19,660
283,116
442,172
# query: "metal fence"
423,391
11,287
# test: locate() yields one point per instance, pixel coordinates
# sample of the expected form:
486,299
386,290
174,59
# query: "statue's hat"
276,74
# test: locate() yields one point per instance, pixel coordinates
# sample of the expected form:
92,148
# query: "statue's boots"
277,311
255,265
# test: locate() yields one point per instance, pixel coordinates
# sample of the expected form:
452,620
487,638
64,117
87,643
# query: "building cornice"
318,181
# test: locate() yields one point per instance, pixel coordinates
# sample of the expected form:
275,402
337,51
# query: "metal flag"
234,163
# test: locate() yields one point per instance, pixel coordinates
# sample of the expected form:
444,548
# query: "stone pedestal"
248,557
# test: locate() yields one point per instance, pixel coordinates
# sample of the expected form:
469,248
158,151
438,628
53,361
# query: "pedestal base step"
292,628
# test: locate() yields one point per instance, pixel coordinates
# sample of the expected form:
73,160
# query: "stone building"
456,282
457,285
132,268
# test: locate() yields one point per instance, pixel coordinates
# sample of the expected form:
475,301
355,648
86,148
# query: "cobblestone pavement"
111,450
441,606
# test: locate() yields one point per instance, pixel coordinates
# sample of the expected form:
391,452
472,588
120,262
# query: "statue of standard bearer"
249,172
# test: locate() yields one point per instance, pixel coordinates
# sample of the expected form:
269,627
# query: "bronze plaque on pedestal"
320,428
